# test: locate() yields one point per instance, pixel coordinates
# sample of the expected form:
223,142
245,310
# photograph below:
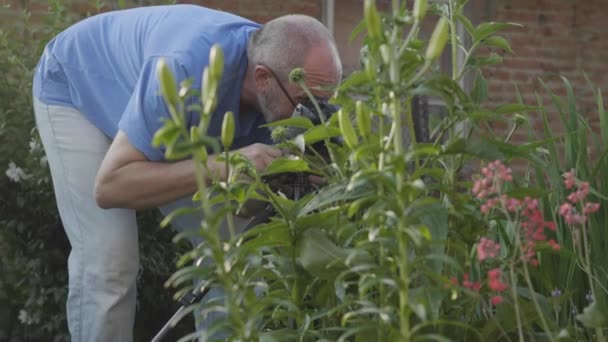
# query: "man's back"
104,66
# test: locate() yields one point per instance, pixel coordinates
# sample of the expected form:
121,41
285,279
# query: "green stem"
404,311
589,271
515,126
533,294
312,98
410,123
453,39
419,74
229,217
397,125
410,35
520,331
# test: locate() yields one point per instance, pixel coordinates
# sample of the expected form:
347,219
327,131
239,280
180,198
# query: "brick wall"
263,10
256,10
559,37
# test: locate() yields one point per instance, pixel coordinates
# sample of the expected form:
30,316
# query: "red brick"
519,63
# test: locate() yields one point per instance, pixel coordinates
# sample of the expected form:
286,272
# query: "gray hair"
283,43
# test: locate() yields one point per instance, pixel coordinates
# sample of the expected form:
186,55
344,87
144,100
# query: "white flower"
34,146
43,161
15,174
24,317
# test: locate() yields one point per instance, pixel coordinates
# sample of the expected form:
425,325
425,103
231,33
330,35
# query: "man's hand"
260,155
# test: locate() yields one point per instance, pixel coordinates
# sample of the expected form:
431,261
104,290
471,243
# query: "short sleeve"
146,109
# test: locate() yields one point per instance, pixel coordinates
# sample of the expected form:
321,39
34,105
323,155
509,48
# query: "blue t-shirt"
105,66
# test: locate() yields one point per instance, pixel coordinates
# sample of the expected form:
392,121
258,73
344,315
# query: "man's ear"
261,75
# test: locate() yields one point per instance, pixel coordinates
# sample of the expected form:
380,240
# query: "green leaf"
286,164
278,336
485,30
319,133
426,300
273,234
485,149
593,316
333,193
356,78
167,134
603,114
444,87
466,23
317,219
490,60
319,255
435,217
294,121
497,41
479,93
356,31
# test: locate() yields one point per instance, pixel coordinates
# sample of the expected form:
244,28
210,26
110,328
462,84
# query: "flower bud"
228,129
385,53
370,69
363,120
420,7
372,19
209,89
297,75
216,62
347,130
167,83
438,40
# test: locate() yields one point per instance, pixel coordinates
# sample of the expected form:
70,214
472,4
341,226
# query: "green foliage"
33,245
390,248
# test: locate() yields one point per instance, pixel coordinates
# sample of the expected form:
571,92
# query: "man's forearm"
145,184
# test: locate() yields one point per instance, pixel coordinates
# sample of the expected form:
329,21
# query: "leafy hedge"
33,244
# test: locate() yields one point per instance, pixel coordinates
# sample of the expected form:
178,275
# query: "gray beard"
265,106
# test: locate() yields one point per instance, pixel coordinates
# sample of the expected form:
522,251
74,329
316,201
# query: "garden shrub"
33,245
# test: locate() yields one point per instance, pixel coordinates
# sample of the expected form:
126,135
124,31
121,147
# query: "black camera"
296,185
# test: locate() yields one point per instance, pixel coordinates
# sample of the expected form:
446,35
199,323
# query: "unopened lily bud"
167,83
216,62
347,130
228,130
209,88
438,40
363,120
372,19
385,53
420,7
370,69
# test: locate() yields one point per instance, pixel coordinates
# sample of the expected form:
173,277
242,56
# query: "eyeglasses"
280,85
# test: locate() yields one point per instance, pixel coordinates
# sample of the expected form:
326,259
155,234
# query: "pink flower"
569,180
512,204
493,176
580,194
495,300
487,249
494,281
576,219
591,207
565,209
554,245
475,286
